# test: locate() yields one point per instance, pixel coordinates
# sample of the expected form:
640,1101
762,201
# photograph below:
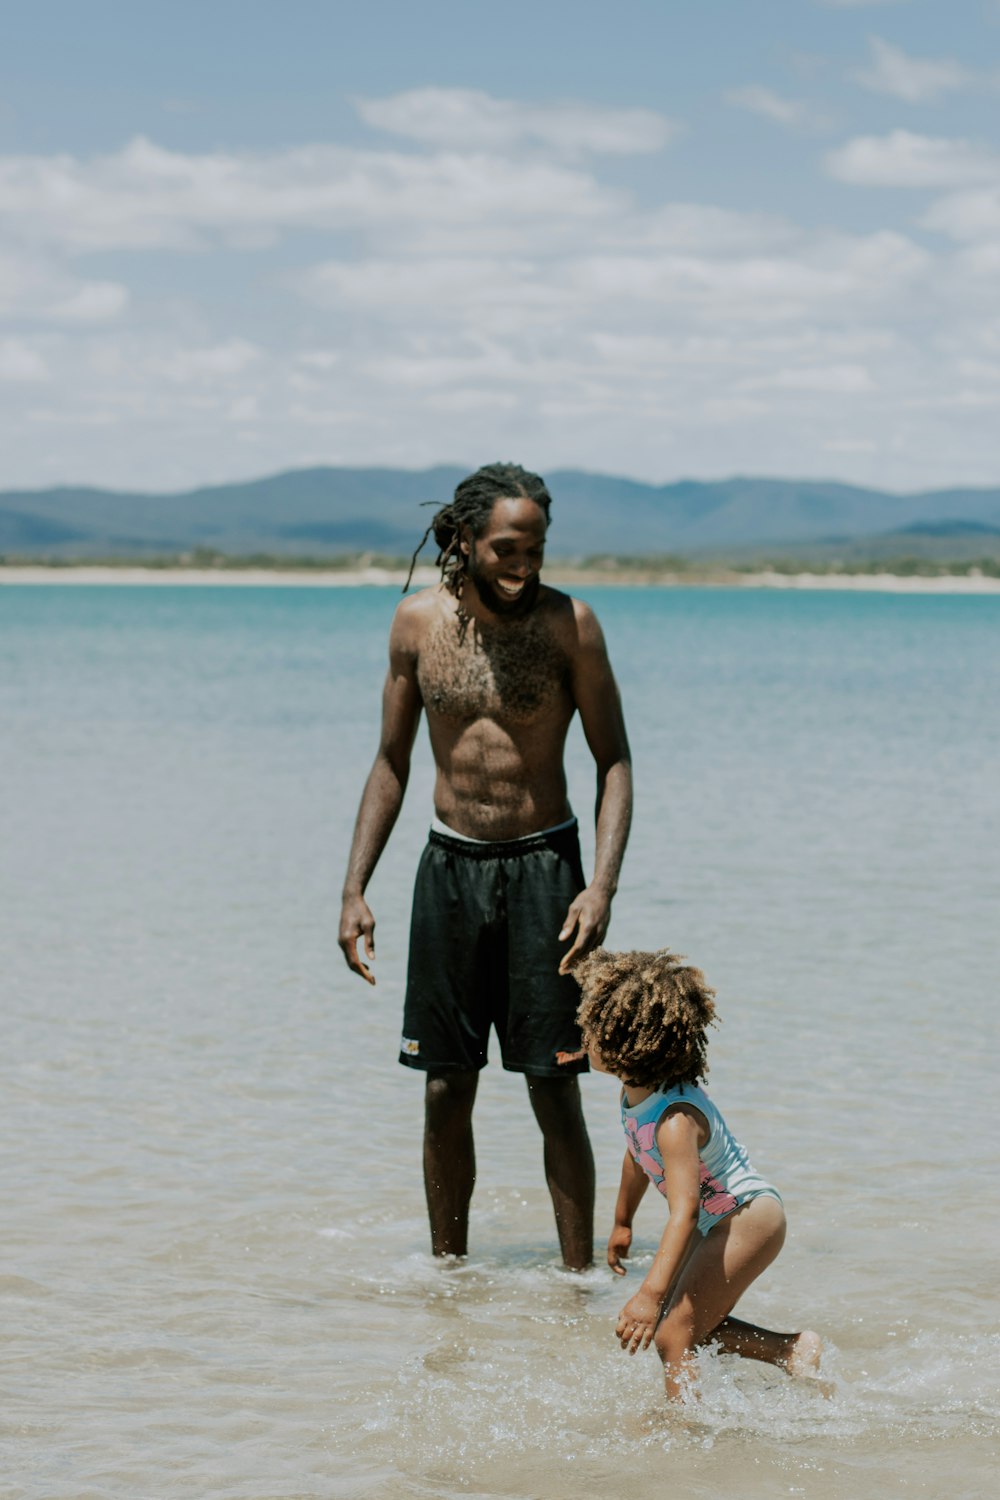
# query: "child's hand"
619,1245
637,1321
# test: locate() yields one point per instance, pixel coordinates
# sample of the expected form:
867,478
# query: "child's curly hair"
648,1013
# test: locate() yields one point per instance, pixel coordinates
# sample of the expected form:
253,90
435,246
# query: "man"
500,663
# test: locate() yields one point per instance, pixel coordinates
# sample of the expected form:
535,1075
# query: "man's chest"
514,673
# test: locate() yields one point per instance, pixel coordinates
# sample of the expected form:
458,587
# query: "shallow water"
216,1279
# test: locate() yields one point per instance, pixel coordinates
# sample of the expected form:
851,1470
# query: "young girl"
644,1017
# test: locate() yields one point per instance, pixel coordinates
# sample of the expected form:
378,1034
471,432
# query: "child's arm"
677,1137
633,1184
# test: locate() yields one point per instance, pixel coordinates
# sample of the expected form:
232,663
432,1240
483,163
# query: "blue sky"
658,239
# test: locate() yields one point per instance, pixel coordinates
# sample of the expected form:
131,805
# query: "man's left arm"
600,709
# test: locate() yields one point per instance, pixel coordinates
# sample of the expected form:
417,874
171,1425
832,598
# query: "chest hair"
512,672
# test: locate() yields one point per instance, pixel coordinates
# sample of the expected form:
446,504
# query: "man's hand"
588,916
357,921
619,1245
637,1321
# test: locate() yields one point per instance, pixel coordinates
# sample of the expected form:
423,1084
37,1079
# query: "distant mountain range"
329,511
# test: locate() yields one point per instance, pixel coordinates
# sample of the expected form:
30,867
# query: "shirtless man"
501,663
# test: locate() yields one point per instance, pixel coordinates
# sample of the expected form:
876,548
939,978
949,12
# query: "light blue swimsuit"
727,1178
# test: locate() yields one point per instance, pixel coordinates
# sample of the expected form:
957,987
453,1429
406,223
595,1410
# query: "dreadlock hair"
648,1013
472,506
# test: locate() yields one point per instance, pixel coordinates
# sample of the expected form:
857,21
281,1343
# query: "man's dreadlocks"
472,506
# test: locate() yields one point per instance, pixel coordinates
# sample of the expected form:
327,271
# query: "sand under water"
215,1276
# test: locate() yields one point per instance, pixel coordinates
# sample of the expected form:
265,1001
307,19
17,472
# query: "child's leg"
713,1280
798,1353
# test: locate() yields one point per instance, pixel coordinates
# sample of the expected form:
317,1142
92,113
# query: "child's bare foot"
804,1356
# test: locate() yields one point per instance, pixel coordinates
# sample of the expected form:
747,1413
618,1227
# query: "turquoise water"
216,1279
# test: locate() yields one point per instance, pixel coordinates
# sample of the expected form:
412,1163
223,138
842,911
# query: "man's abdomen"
496,784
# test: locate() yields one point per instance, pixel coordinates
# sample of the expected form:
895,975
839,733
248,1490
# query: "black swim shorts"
485,951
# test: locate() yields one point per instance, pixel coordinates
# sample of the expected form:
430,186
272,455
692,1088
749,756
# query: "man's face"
505,559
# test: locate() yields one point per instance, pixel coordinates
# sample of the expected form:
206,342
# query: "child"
643,1018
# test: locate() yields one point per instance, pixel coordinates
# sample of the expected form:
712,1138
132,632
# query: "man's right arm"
383,794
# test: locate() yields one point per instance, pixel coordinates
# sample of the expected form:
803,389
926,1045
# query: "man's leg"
449,1158
569,1165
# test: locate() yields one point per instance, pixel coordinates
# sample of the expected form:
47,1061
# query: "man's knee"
449,1097
556,1102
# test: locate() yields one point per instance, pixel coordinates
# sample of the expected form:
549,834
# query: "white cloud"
319,359
488,278
914,79
700,227
212,363
902,159
981,261
483,365
243,409
34,288
508,300
433,288
817,275
763,101
850,445
703,228
980,370
20,363
470,120
145,197
966,216
837,379
93,302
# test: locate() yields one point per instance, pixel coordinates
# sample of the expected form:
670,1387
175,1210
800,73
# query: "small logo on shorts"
571,1057
410,1047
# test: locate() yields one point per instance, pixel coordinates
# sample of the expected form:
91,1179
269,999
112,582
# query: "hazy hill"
336,510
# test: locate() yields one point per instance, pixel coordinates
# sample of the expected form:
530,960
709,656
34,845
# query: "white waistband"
438,827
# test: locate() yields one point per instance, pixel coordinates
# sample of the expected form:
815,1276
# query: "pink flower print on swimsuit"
640,1140
714,1198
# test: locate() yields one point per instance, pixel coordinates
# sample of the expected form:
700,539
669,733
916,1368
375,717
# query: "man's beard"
496,602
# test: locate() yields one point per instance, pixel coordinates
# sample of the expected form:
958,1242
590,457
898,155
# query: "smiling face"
504,561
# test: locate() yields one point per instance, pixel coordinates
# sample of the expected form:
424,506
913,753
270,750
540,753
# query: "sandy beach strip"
889,583
307,578
566,577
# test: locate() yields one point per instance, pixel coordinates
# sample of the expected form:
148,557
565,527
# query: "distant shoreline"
560,577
